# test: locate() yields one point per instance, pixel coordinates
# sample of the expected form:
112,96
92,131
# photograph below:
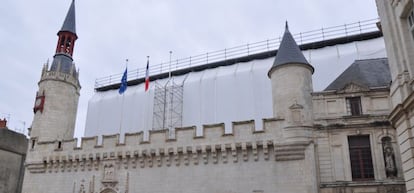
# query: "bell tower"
56,100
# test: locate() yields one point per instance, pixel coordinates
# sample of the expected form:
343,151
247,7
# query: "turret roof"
289,52
70,23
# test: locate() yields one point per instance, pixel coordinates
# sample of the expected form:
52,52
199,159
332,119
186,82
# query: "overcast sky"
111,31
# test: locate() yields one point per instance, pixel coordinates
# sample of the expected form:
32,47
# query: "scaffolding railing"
321,34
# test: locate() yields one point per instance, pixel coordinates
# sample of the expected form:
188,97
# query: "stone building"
397,21
13,147
335,140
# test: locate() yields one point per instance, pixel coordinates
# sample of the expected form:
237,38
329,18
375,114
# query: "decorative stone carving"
109,176
353,87
82,187
389,158
296,112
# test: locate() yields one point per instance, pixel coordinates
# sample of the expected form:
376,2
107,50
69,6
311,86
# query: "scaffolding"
168,106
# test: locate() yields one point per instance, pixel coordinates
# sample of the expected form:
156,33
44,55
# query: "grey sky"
110,31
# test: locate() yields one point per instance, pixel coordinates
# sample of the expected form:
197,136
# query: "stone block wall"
245,160
13,148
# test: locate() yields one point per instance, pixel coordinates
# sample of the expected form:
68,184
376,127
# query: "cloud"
111,31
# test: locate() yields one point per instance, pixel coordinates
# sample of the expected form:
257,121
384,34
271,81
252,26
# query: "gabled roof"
369,73
289,52
70,21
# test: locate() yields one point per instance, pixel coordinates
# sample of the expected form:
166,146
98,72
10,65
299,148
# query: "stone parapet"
60,76
243,143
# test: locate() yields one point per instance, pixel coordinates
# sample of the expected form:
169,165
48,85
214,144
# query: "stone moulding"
194,155
36,167
60,76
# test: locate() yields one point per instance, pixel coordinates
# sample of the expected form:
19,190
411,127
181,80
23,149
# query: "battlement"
60,76
244,142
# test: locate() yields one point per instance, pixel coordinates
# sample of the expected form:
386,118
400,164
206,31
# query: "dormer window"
353,106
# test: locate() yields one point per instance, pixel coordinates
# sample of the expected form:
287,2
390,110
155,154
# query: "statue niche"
389,158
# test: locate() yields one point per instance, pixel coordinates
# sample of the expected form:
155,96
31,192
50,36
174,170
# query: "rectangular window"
360,157
354,106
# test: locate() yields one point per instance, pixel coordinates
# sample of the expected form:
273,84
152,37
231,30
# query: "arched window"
68,42
62,41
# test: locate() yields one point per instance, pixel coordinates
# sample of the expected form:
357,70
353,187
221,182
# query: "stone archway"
108,190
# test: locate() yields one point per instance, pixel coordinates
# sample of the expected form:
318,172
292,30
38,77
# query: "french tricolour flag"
147,76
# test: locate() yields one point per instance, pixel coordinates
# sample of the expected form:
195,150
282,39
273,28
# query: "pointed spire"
289,52
70,23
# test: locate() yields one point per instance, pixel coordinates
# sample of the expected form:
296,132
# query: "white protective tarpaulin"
224,94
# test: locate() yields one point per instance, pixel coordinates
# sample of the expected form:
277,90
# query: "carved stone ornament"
82,187
109,179
296,112
353,87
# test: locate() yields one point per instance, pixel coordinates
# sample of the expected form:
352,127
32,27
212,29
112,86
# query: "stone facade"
333,126
334,141
397,26
245,160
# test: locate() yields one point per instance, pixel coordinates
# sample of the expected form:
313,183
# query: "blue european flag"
124,83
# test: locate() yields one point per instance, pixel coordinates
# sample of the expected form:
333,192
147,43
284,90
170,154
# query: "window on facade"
33,143
354,106
360,157
59,145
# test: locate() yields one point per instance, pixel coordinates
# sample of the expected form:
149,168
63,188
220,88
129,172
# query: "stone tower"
57,98
291,79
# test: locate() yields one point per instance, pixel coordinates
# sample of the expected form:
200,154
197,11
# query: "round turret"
291,80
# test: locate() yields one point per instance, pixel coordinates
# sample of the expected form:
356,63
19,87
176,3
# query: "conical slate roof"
369,73
70,24
289,52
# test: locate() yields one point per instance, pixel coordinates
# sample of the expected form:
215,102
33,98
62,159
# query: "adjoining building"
13,148
397,22
250,123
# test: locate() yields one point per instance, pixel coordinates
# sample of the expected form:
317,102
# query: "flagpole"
146,99
169,67
147,75
122,112
122,103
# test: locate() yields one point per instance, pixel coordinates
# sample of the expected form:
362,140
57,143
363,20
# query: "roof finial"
286,26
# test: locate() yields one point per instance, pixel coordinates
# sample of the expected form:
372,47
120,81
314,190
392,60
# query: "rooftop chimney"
3,123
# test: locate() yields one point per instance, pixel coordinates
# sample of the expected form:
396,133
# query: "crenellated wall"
244,160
